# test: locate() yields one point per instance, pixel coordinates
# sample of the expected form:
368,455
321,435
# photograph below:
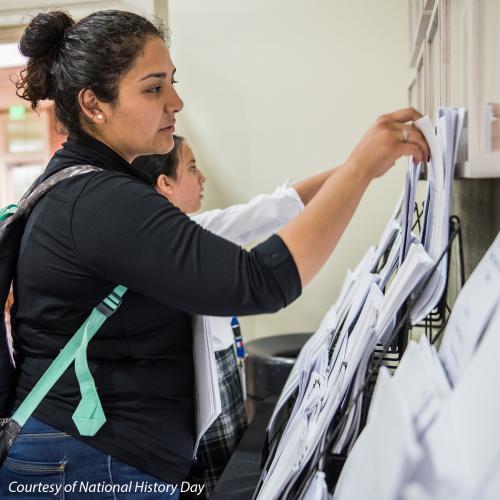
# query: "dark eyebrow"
157,75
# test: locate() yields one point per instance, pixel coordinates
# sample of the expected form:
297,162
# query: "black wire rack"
433,325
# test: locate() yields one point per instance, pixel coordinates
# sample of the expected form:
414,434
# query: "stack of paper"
414,269
331,369
441,170
317,489
325,389
388,451
384,452
427,438
333,363
472,312
327,330
410,192
207,392
391,232
462,446
304,363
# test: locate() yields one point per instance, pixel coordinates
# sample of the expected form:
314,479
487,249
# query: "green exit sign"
17,112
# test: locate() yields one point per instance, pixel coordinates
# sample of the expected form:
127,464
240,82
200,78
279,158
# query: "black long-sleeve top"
102,229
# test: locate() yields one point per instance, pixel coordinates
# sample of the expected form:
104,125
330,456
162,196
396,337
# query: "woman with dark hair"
112,82
164,164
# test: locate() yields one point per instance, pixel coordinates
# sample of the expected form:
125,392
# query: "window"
24,150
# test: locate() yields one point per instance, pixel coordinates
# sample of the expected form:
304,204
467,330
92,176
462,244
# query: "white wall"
19,12
283,88
276,89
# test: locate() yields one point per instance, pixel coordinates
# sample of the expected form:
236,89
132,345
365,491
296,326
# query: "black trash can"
268,364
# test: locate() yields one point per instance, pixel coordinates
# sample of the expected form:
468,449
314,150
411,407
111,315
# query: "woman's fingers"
411,149
410,133
391,137
402,115
407,132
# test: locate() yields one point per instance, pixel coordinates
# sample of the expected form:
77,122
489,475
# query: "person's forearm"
308,188
312,236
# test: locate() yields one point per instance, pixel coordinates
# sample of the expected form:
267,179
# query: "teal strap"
88,416
7,211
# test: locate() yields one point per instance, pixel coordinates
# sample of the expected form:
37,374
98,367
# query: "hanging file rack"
433,326
435,322
400,331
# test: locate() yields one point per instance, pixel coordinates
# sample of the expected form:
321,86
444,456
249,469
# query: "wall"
16,12
477,203
281,89
285,89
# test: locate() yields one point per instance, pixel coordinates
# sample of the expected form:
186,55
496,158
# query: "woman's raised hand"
393,135
313,234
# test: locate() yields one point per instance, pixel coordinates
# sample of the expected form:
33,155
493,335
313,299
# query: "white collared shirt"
242,224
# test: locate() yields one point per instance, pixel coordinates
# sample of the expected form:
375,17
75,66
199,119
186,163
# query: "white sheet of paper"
391,265
415,268
471,313
422,382
385,452
296,441
411,183
489,489
463,442
415,491
352,427
303,362
283,468
364,285
440,178
345,361
207,392
387,239
318,489
363,334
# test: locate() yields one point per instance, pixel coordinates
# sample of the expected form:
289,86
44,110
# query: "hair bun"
44,33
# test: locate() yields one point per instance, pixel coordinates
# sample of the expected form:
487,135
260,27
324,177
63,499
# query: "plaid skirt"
219,442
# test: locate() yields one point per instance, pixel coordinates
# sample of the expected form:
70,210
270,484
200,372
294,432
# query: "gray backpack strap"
38,189
89,415
12,223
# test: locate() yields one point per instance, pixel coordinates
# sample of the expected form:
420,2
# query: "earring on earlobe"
100,116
